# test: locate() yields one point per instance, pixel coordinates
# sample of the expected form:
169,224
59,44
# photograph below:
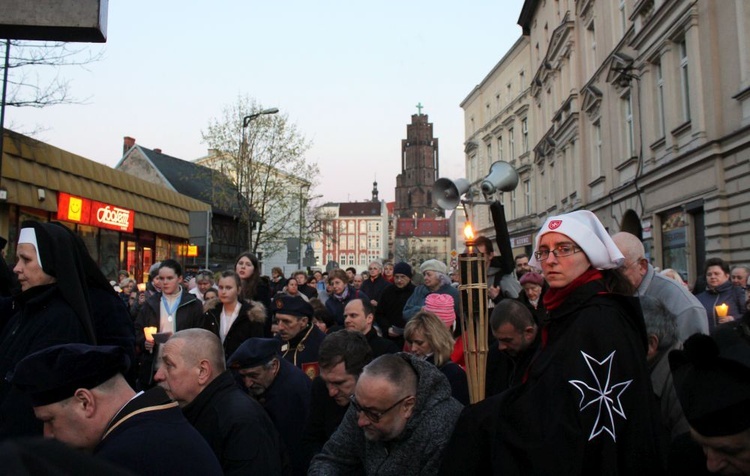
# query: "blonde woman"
427,337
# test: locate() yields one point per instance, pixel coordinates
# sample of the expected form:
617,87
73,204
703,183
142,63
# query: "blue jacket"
416,301
336,305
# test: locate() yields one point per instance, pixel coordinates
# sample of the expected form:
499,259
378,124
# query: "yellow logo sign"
74,209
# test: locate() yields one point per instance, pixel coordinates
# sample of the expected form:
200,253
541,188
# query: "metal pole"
2,105
208,235
300,227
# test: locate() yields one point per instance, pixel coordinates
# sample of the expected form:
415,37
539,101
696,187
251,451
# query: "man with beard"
281,388
399,421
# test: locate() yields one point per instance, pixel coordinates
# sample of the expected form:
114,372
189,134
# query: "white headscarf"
585,229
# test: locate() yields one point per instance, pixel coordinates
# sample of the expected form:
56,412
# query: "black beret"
294,306
253,352
712,379
55,373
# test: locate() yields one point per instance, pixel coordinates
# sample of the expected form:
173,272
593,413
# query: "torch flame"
468,231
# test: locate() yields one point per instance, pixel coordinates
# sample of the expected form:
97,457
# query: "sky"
348,74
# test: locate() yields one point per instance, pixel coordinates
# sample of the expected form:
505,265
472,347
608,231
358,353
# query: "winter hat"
434,265
402,268
585,229
442,306
532,277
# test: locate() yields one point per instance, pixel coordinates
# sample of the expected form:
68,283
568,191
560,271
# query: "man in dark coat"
389,313
515,330
376,283
299,337
80,394
343,355
234,424
359,316
281,388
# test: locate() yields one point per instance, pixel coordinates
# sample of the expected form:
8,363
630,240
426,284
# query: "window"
363,259
591,33
527,197
623,17
489,153
596,156
351,260
362,226
511,144
684,81
500,148
627,103
660,100
329,257
513,204
525,134
342,259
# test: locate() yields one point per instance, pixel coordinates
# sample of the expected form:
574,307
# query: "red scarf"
554,297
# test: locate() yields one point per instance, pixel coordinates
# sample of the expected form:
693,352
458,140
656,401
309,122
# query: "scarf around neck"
554,297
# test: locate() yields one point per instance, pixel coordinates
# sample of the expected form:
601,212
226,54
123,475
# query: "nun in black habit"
52,308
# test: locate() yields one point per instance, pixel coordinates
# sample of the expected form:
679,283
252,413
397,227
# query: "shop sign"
521,241
90,212
189,251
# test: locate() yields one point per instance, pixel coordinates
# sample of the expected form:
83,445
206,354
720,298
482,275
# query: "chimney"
158,151
127,143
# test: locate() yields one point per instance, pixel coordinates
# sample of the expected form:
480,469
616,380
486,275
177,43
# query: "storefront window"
109,246
88,235
162,249
128,256
674,241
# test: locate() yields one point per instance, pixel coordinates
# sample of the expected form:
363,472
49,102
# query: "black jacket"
374,288
586,408
380,345
151,436
390,308
250,322
236,427
189,315
43,320
325,416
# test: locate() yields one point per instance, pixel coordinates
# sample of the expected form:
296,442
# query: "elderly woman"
52,308
429,338
583,404
436,280
720,291
533,295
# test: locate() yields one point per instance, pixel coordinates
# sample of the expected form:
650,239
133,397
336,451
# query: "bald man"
688,311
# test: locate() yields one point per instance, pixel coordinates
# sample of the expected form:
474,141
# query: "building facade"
126,223
633,114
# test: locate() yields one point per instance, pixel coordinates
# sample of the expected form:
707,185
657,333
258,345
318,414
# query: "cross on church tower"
419,108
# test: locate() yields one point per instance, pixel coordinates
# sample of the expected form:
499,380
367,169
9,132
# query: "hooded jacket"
250,322
418,450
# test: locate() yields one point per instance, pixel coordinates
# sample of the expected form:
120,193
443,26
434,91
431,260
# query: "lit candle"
722,309
149,333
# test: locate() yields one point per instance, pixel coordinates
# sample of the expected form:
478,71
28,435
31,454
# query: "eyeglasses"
559,251
372,415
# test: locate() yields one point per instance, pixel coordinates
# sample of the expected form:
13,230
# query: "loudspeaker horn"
502,177
448,192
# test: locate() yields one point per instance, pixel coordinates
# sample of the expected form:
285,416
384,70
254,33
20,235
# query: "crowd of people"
598,363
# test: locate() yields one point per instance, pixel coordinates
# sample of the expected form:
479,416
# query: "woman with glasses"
429,338
584,403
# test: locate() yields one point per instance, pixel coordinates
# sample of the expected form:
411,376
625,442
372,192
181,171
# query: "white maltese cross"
606,396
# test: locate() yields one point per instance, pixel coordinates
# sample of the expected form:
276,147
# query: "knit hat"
434,265
402,268
532,277
585,229
442,306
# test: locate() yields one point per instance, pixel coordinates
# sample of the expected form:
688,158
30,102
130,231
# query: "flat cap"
712,379
294,306
253,352
55,373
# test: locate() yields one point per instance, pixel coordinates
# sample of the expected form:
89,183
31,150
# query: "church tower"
419,170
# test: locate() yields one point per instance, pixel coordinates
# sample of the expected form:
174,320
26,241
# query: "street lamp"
241,175
303,200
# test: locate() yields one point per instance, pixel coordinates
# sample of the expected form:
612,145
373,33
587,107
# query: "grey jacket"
419,448
688,311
